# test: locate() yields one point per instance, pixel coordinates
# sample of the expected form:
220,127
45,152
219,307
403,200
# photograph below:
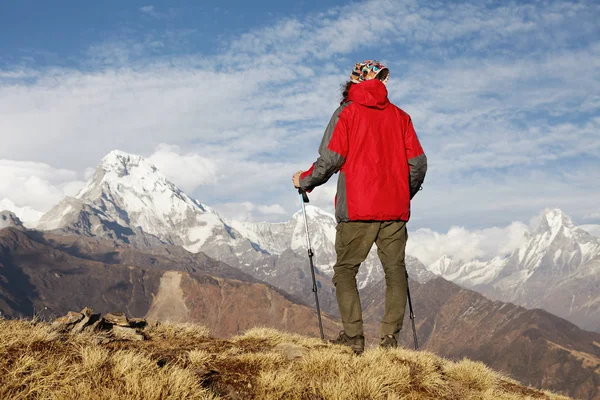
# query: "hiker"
374,147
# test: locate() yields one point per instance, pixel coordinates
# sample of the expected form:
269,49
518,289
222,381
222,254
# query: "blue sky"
64,32
230,100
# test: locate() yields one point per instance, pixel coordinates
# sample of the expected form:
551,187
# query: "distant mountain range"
132,241
130,201
557,267
533,345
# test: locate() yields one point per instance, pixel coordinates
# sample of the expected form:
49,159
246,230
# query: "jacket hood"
371,93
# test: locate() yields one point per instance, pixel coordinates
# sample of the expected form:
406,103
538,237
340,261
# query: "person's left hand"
296,179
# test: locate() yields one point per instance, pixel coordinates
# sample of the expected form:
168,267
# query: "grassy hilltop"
185,362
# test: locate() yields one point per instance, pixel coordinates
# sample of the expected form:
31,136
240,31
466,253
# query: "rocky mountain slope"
47,275
533,346
557,268
8,218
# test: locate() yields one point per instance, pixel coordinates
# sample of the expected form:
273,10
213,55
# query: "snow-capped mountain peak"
470,273
556,244
140,184
321,226
553,221
553,259
131,192
313,212
278,237
555,247
442,266
120,162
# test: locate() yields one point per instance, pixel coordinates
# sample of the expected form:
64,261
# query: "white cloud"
152,12
592,215
464,244
482,200
19,73
36,185
499,96
88,173
147,9
273,209
188,171
247,211
27,215
592,229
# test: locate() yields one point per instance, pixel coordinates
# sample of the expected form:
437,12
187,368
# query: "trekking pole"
304,199
412,314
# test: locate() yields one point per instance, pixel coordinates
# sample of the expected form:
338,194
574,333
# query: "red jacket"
373,144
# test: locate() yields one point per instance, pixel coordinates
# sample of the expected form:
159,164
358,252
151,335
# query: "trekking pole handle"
304,195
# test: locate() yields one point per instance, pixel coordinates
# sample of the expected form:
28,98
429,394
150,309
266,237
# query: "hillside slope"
48,275
185,362
533,346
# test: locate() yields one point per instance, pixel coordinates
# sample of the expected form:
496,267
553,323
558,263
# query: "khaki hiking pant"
353,241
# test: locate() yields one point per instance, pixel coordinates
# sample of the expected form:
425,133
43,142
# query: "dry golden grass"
184,362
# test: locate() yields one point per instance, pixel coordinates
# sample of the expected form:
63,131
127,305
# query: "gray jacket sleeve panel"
418,169
329,162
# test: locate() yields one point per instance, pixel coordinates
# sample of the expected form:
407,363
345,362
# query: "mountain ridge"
555,258
46,275
129,200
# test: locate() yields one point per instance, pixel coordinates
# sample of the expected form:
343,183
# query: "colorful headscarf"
367,70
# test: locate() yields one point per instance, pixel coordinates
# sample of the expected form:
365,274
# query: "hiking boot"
388,342
356,343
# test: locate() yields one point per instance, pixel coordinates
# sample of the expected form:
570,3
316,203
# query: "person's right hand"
296,179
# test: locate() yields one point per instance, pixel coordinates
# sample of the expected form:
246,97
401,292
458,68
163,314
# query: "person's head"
364,71
369,69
